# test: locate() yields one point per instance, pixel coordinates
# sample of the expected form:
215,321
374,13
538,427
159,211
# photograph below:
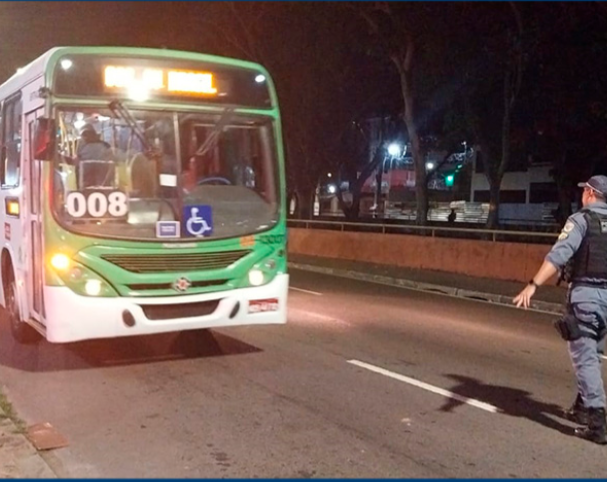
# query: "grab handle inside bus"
44,139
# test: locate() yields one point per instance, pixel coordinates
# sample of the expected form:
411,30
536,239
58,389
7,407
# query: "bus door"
33,191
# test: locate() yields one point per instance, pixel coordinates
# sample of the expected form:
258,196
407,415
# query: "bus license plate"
261,306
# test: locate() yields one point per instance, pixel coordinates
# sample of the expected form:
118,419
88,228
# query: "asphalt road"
365,380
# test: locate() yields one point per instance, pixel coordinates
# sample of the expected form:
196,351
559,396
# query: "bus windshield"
159,175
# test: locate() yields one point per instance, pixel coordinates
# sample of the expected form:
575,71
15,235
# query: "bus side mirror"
44,139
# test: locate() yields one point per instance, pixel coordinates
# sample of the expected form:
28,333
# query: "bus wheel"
21,331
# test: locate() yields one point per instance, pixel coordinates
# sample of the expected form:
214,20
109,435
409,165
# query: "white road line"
320,316
305,291
431,388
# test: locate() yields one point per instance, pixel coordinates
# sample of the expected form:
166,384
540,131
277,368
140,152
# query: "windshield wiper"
211,141
122,112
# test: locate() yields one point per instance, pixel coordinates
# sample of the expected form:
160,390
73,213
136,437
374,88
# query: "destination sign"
150,79
180,82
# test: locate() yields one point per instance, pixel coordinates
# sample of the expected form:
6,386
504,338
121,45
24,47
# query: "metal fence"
493,235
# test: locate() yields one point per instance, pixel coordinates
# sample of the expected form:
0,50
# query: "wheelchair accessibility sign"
197,221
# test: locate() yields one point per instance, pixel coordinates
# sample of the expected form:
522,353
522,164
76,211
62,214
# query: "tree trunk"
494,179
352,211
421,183
378,178
494,202
306,202
404,64
495,176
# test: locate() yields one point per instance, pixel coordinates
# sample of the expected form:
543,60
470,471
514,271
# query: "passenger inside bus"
95,167
91,147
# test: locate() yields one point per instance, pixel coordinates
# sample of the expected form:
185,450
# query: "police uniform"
581,251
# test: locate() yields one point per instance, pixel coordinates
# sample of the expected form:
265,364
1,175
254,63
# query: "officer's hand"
524,297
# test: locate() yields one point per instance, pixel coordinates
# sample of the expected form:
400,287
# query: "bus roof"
40,65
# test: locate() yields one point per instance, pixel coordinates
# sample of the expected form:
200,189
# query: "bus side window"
11,142
2,156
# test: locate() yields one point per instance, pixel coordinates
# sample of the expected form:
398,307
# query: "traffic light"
449,178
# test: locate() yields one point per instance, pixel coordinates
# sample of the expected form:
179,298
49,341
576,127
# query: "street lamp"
394,150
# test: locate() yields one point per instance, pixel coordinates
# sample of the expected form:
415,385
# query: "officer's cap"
598,183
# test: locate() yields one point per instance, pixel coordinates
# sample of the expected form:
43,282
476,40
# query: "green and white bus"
143,192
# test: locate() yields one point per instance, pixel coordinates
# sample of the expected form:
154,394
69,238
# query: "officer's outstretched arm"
547,270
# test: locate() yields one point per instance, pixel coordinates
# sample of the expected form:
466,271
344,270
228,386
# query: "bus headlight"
60,262
85,282
263,272
92,287
256,277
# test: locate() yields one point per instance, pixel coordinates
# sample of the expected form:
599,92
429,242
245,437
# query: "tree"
491,61
547,112
392,29
568,98
312,78
367,141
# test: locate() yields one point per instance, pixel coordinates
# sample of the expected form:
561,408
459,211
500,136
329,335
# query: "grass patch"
9,413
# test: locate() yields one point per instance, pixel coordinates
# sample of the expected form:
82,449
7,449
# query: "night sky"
332,69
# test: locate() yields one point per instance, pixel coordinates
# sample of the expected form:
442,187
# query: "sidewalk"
18,457
547,298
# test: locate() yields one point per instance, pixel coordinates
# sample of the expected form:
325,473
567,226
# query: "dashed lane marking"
305,291
319,316
426,386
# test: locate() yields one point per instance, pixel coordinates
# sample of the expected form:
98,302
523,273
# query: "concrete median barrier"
483,259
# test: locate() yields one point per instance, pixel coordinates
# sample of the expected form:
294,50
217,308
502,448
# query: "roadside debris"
45,437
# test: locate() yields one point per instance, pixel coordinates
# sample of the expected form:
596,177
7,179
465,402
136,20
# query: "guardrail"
493,235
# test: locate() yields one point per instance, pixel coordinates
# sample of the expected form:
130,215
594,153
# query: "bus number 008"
97,204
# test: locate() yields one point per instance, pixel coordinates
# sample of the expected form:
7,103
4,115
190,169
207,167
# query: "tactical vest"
590,260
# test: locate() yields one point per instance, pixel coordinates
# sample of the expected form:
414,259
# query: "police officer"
581,254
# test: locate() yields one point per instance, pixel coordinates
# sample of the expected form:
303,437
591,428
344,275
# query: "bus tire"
21,331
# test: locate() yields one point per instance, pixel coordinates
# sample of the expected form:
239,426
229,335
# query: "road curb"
543,306
18,457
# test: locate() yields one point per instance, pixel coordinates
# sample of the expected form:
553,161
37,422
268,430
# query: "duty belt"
590,284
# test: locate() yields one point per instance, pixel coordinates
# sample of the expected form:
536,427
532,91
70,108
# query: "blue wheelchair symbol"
198,221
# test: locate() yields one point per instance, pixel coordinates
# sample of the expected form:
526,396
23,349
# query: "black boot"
596,431
577,412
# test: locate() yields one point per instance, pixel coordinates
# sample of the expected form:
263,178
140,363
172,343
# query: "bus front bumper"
71,317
